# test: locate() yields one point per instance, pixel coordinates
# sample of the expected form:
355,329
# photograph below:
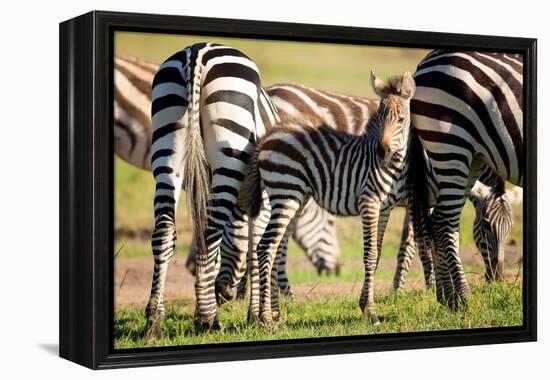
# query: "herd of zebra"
254,161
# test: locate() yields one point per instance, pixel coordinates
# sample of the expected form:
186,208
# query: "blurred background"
342,68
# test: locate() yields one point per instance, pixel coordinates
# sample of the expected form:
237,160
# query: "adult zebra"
467,112
206,117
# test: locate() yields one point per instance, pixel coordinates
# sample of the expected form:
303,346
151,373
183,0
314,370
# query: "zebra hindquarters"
370,211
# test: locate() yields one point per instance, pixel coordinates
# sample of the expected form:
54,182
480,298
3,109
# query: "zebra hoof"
153,330
211,325
372,318
224,293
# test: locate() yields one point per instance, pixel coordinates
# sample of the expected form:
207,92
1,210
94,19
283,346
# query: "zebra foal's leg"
257,227
281,215
369,214
233,252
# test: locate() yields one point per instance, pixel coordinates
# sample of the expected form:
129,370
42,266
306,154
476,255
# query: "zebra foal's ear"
378,85
407,86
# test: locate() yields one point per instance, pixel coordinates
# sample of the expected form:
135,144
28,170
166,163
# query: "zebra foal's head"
393,116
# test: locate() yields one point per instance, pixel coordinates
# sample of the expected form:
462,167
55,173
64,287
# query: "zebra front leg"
451,286
370,211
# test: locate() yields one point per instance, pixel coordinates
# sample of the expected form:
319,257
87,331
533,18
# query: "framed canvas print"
236,190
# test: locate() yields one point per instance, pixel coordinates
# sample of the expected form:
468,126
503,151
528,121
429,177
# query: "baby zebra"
346,174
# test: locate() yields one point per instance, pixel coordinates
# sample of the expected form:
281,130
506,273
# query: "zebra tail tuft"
418,196
196,177
253,186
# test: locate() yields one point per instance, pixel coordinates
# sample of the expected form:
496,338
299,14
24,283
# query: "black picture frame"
86,189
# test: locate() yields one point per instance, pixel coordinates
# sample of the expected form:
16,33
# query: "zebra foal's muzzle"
384,152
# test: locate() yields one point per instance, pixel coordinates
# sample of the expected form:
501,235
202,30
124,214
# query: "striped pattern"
468,112
346,174
492,223
315,232
205,120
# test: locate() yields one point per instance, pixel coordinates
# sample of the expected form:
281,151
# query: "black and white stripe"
467,112
315,231
492,223
205,119
345,174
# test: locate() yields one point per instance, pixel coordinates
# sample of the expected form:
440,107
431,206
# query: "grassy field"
408,311
324,306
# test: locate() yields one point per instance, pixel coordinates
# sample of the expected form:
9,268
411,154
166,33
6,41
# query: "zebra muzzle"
384,152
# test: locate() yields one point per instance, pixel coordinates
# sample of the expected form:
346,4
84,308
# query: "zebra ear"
407,86
378,85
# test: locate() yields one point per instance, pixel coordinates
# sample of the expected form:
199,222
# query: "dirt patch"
133,278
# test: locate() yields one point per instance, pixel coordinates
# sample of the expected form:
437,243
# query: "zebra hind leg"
282,277
281,214
405,255
257,227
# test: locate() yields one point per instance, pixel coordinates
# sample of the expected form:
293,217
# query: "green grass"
491,305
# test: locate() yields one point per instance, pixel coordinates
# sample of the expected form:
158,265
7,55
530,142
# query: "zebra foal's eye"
401,119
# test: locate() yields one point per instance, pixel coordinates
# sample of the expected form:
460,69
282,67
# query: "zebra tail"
196,176
418,196
253,186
